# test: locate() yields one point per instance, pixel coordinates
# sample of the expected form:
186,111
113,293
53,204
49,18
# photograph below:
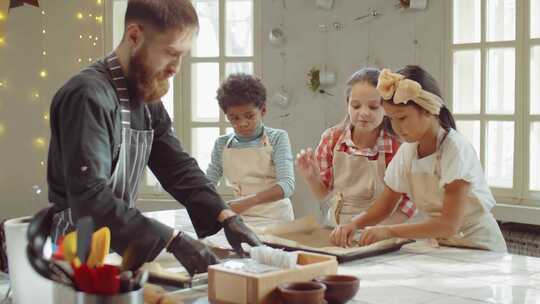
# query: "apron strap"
438,155
264,140
148,116
438,168
121,87
229,141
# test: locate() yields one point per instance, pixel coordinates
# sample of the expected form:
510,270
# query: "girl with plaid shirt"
346,170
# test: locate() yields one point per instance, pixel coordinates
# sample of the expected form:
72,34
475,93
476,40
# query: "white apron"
251,170
479,229
358,182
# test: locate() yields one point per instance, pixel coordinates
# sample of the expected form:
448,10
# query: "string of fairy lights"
90,20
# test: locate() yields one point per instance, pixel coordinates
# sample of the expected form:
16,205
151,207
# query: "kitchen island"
418,273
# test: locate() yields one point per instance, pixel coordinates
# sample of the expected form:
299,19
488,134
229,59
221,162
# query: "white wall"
21,113
388,39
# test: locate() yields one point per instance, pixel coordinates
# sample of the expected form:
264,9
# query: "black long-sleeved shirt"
85,141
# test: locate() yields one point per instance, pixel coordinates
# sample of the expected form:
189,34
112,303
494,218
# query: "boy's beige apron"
251,170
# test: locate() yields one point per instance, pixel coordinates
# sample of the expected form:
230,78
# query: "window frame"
187,124
182,123
521,194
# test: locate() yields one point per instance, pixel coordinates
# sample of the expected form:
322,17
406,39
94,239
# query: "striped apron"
133,154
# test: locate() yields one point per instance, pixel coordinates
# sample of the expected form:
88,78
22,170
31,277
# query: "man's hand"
191,253
237,233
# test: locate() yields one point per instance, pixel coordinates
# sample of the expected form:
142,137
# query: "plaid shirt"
324,155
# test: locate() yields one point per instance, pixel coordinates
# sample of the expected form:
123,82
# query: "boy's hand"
240,205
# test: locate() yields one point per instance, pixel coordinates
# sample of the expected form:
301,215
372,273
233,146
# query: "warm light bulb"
99,2
2,84
35,96
79,16
40,142
80,36
42,163
94,44
2,41
46,116
96,38
44,32
89,59
43,12
44,53
2,129
90,37
99,19
2,16
79,60
43,74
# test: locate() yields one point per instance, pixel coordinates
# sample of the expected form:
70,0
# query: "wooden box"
226,286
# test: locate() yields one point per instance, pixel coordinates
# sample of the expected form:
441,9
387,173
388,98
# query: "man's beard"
145,85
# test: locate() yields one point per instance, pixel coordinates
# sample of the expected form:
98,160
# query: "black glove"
237,233
192,254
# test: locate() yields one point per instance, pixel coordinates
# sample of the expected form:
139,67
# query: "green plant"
314,81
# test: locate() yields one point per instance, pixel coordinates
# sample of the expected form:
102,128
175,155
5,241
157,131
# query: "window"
225,45
494,72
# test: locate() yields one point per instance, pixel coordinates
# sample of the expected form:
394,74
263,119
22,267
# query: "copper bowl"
339,288
302,292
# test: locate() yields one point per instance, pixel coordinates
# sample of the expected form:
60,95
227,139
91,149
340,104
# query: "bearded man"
108,124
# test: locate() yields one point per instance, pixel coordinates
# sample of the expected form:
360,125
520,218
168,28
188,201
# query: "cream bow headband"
393,84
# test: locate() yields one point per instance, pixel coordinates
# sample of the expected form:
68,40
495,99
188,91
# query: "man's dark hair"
163,15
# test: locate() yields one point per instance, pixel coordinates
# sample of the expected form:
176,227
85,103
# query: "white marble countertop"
415,274
419,273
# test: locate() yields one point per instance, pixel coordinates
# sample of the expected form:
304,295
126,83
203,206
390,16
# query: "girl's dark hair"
429,84
241,89
364,75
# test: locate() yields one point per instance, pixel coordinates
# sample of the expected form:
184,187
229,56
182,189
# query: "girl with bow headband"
346,170
436,166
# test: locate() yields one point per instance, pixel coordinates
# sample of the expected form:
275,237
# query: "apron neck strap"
441,136
264,139
121,87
